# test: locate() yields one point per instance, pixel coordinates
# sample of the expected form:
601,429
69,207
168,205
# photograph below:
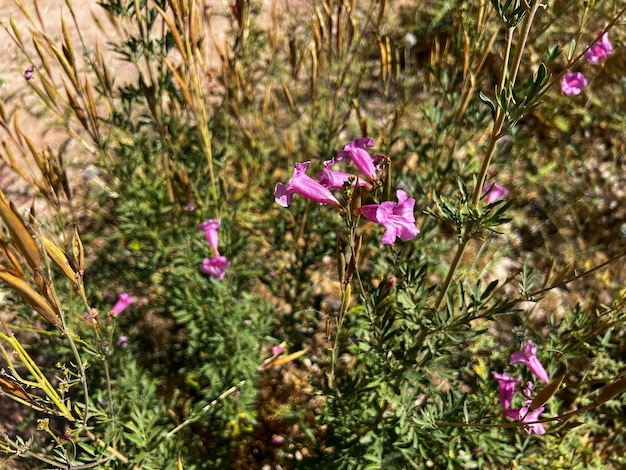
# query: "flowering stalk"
397,217
507,386
508,79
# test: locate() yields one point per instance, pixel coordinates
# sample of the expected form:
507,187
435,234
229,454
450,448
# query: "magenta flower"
397,218
523,415
573,83
355,153
122,342
529,357
122,303
215,267
600,50
506,388
276,350
28,73
336,179
527,389
494,191
209,228
303,185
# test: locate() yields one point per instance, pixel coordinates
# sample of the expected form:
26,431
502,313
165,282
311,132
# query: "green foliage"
389,349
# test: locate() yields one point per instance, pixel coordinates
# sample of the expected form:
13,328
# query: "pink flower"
573,83
276,350
397,218
494,192
122,342
303,185
122,303
600,50
215,267
336,179
523,415
354,152
529,357
506,388
209,228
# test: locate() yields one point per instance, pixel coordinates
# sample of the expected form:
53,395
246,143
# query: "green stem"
446,283
507,83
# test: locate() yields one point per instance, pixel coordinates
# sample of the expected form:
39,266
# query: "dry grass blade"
93,113
15,166
175,34
20,235
43,54
16,31
26,292
3,117
181,83
68,48
78,110
69,70
78,252
14,390
102,72
59,258
288,358
10,257
37,155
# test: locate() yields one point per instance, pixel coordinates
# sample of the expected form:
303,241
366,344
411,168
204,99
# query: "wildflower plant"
379,194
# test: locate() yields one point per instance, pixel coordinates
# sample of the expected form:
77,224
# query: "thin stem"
206,408
109,395
446,283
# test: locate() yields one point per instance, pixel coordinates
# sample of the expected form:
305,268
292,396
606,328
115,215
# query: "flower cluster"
217,265
397,218
573,83
508,384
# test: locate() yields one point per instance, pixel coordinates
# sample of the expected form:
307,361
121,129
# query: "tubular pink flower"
397,218
529,357
506,388
600,50
209,228
122,303
494,191
573,83
336,179
355,153
305,186
215,267
525,416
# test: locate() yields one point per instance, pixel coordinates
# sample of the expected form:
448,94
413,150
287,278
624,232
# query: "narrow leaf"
546,393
